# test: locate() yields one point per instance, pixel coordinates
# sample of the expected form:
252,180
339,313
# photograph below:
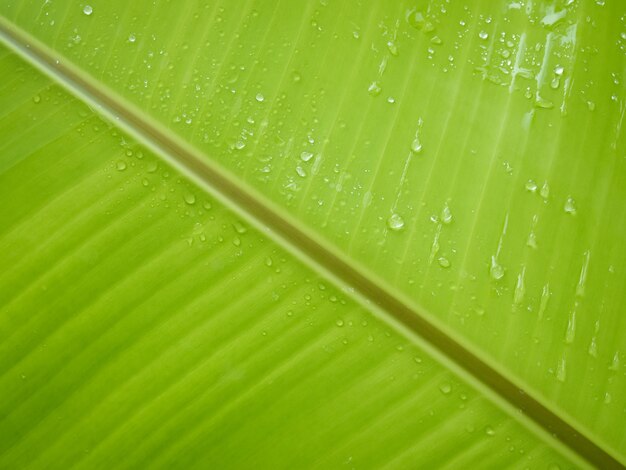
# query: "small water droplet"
87,10
483,35
339,323
416,145
395,222
132,38
120,165
240,144
306,156
436,40
445,388
496,271
296,77
240,228
544,192
374,89
268,261
531,186
444,262
189,198
393,48
260,98
570,206
36,99
489,431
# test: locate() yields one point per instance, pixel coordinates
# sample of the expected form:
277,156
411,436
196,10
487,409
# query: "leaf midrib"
356,280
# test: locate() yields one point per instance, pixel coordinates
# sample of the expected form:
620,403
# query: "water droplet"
395,222
120,165
306,156
496,271
561,372
544,192
87,10
393,48
445,388
301,172
268,261
237,241
520,288
558,70
615,363
240,228
582,279
240,144
296,77
416,145
189,198
489,431
36,99
260,98
339,323
446,214
570,205
545,297
531,186
132,38
444,262
593,347
570,332
483,35
374,89
436,40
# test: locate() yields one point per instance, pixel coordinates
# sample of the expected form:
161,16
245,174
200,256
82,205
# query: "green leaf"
316,235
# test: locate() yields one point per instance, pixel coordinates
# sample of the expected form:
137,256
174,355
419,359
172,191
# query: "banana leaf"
312,234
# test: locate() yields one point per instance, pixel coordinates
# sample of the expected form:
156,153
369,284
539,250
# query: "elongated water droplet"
582,279
444,262
446,214
570,332
545,191
520,288
615,363
395,222
570,205
561,370
496,271
545,297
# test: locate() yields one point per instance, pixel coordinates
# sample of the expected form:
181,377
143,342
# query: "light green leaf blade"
468,156
144,324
